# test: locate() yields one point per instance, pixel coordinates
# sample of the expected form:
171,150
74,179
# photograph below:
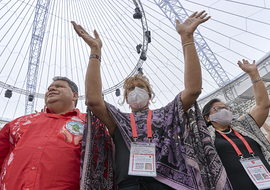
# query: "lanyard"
133,125
234,145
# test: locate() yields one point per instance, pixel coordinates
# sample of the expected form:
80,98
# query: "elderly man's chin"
51,100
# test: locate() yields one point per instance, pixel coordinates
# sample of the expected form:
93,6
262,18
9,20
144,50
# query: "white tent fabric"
237,29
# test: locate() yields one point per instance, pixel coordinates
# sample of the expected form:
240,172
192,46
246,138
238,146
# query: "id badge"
257,172
142,161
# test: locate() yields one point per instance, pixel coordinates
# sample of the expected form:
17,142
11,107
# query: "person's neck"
144,108
60,110
219,127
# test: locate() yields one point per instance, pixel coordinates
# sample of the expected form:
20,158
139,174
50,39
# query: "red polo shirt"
38,152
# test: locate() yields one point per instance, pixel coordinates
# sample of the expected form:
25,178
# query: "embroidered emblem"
75,127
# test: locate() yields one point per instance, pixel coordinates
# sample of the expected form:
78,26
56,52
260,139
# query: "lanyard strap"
133,125
234,145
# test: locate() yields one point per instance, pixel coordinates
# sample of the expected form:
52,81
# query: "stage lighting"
143,56
117,92
138,47
8,93
140,71
137,14
30,97
148,35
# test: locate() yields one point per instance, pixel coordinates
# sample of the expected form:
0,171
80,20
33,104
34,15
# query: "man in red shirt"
42,150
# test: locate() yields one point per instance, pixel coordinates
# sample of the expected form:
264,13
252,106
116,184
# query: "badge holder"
142,160
256,171
253,166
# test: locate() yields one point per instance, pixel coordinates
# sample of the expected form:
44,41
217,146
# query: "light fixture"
140,71
117,92
137,14
30,97
138,48
143,56
148,35
8,93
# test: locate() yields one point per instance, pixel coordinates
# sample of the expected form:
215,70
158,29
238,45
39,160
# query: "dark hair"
71,84
207,108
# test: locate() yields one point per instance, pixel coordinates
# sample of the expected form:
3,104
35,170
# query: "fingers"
193,15
96,34
205,19
79,29
239,63
199,15
44,109
245,61
76,27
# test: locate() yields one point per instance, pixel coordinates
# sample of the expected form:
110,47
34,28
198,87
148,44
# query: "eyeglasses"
217,108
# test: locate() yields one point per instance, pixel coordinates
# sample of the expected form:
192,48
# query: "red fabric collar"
75,112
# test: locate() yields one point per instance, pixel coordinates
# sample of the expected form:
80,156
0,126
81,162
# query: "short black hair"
71,84
207,108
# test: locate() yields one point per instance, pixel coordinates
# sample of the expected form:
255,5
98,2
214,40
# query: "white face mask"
138,98
222,117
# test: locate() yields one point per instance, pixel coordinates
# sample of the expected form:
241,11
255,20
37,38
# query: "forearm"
260,92
93,84
261,110
192,77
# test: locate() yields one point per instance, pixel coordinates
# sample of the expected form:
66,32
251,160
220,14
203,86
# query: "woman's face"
216,107
136,83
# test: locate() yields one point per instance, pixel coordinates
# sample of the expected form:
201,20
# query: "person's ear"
75,96
207,118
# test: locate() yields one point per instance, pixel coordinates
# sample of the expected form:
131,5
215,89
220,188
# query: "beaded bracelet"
95,56
189,43
256,80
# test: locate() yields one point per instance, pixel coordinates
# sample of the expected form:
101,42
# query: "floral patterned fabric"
96,157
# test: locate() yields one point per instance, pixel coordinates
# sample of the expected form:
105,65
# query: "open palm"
190,25
92,42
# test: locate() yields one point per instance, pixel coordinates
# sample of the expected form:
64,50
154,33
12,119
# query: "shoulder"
26,118
80,114
247,122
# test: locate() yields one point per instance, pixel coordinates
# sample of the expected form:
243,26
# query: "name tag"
142,161
257,172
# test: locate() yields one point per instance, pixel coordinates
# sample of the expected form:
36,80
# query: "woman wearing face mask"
227,134
159,139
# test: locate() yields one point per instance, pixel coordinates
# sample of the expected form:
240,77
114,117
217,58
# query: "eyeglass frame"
219,108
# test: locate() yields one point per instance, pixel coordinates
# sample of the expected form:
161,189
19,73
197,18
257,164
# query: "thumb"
96,34
177,21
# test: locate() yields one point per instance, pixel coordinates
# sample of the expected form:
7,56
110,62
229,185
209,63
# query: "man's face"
60,92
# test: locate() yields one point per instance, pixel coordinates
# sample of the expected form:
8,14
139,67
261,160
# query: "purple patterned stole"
186,157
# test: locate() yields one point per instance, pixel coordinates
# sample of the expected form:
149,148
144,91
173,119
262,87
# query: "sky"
236,30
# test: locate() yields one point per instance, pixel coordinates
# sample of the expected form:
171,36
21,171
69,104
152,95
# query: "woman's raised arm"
93,84
192,76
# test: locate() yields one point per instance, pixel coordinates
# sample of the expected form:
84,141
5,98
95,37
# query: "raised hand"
247,67
189,26
92,42
42,110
